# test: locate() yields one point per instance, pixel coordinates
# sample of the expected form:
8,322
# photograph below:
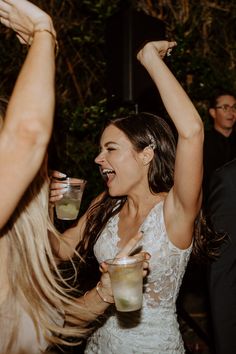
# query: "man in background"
220,141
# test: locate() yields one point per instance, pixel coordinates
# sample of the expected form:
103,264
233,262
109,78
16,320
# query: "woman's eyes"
107,149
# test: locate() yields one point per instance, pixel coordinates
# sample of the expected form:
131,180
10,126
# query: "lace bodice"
154,329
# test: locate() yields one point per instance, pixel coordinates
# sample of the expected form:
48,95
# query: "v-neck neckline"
141,228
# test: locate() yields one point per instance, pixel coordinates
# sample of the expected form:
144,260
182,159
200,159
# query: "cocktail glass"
68,207
126,275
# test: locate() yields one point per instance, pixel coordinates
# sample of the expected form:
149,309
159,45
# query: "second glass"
127,282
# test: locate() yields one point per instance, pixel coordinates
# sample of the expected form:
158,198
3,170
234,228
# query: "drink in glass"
68,207
126,275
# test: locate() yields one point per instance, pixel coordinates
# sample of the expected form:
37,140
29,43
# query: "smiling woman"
128,151
153,184
36,308
119,161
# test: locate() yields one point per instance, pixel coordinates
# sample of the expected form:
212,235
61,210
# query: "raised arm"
184,200
29,117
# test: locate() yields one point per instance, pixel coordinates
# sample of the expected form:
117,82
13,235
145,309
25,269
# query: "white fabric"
154,329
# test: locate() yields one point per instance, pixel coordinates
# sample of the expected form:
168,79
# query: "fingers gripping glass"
227,108
67,208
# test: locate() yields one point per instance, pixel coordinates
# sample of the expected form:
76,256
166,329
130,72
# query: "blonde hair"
33,277
33,273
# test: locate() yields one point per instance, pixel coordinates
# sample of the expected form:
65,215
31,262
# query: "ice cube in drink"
67,208
127,284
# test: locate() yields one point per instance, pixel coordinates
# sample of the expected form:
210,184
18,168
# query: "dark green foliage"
76,143
203,60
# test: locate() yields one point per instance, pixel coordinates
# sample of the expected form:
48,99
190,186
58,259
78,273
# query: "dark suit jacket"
221,208
218,150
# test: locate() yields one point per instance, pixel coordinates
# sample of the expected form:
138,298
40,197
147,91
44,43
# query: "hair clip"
153,144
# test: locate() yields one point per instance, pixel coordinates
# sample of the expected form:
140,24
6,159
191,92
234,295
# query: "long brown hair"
145,129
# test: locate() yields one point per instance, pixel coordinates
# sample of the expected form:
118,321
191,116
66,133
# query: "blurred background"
98,77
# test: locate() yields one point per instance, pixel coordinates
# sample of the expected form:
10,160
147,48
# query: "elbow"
198,129
195,130
33,133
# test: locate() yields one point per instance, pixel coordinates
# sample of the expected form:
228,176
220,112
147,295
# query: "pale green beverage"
126,275
68,207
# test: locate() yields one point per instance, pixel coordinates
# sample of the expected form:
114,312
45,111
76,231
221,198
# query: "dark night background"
98,77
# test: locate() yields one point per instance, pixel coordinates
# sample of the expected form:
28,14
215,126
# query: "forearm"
28,123
64,246
31,106
176,101
87,308
96,302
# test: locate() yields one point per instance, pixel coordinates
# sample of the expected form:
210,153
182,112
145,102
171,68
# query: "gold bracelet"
98,288
30,40
85,304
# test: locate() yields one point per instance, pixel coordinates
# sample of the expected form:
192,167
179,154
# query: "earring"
145,161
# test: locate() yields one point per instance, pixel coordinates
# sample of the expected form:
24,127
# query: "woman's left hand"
24,18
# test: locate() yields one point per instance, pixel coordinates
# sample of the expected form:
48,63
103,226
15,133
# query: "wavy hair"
145,129
33,275
34,280
142,130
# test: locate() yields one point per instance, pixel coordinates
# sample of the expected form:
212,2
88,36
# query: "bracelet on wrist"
31,38
88,307
104,298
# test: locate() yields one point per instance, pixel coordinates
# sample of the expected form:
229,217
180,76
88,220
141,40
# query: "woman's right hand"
56,187
24,18
155,48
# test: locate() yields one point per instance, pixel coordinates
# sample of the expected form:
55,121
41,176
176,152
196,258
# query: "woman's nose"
99,159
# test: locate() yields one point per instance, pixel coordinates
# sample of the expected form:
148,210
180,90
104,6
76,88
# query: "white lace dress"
154,329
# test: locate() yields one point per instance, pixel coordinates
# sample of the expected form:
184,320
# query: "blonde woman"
33,306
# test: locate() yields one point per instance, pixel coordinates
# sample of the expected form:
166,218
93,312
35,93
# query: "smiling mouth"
106,172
